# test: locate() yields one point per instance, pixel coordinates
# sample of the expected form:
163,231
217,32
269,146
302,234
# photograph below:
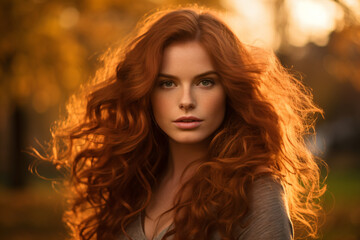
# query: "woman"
190,134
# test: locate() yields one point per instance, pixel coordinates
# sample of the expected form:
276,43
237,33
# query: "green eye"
206,82
167,84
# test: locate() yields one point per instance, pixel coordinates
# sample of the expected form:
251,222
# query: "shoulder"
268,216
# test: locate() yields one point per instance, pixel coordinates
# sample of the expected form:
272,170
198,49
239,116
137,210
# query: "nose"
187,101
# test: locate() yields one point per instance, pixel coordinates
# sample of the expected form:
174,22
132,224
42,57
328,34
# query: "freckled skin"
181,91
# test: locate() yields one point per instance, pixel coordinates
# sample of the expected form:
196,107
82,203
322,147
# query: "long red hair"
116,153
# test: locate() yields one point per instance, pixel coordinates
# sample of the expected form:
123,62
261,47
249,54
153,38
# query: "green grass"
345,185
342,203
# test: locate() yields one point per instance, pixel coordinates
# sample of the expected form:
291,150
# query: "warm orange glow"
308,21
312,20
252,21
69,17
353,4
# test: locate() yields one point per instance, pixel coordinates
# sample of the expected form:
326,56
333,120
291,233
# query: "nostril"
186,106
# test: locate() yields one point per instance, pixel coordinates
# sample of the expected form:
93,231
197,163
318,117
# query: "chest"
157,216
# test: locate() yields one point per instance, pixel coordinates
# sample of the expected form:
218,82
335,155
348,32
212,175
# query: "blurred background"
49,47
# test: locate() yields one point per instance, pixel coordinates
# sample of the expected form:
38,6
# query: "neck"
181,155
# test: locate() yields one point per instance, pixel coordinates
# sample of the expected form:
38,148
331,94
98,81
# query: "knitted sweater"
268,215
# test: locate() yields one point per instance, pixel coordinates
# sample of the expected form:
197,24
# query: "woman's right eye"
167,84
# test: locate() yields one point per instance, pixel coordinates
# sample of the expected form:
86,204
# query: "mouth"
187,122
188,119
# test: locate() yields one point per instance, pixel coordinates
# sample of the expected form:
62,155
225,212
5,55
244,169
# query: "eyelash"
162,83
208,80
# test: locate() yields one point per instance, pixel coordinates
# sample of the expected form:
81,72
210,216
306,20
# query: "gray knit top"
269,217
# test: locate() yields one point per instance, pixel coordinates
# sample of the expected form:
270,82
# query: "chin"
189,139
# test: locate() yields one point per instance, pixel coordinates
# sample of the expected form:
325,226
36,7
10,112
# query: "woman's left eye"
206,82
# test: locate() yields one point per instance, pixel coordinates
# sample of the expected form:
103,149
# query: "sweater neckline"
157,237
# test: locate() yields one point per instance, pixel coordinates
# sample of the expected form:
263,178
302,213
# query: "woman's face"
188,100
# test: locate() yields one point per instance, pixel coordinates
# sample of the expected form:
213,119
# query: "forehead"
185,58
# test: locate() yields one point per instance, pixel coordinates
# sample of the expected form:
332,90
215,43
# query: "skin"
188,85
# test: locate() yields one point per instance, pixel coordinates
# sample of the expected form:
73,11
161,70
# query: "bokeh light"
312,20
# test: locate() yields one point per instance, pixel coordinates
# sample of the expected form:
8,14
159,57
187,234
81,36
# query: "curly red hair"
116,153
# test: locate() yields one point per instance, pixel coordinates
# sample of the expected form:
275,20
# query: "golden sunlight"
257,21
355,4
253,22
312,20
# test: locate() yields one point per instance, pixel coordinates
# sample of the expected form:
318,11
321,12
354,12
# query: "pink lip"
182,124
187,118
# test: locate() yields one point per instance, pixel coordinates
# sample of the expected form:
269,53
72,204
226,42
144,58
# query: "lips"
187,122
188,119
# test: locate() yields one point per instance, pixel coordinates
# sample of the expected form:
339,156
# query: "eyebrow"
197,76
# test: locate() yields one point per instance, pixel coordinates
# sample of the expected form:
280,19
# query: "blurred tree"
35,69
208,3
343,61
